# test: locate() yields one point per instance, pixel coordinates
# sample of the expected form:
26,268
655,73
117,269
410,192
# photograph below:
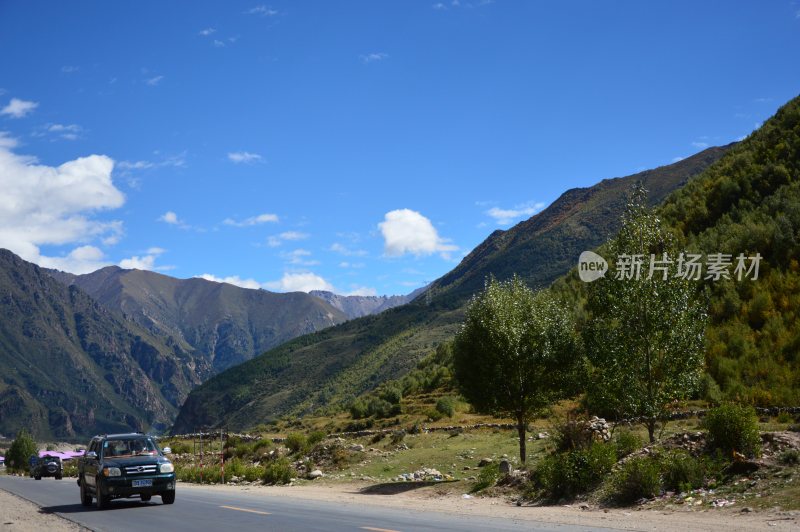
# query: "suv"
125,465
47,466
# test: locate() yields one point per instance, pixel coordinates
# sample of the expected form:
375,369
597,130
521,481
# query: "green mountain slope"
750,203
221,324
71,368
336,364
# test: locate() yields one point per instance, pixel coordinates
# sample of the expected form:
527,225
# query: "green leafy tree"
20,451
516,353
645,336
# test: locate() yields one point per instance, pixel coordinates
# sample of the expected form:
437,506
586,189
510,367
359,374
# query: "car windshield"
130,447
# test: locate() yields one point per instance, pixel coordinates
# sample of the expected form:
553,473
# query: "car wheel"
145,498
58,477
168,497
86,499
101,501
38,477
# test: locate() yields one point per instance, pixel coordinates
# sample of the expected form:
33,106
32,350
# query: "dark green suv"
47,466
125,465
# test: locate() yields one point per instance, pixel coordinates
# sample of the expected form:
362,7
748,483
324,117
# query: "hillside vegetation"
332,367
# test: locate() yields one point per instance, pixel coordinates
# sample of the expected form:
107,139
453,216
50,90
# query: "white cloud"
154,80
65,131
362,291
253,220
406,231
206,32
170,217
233,279
17,108
172,161
677,159
69,69
218,44
47,205
700,145
300,282
144,262
506,216
83,259
276,240
246,157
347,252
299,257
373,57
346,264
261,10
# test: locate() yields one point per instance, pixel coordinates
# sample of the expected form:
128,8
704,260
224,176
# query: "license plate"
146,483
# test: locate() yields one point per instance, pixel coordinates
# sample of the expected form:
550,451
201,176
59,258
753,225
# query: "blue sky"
363,147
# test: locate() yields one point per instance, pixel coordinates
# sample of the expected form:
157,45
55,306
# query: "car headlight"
111,472
167,467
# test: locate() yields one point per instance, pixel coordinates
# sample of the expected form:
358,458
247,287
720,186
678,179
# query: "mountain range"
334,365
118,349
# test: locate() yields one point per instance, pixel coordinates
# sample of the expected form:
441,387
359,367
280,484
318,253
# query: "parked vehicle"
125,465
47,466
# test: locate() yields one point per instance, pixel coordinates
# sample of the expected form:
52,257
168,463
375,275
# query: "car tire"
145,498
86,499
101,501
37,477
58,477
168,497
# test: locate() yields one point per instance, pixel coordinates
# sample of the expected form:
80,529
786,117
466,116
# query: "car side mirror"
91,455
166,450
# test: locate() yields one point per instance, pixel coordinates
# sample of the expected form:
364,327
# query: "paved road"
204,509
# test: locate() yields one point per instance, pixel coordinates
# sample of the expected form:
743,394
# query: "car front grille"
139,470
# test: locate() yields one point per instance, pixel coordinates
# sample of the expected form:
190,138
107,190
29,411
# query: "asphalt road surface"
199,509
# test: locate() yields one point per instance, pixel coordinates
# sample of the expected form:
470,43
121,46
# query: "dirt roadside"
18,515
429,499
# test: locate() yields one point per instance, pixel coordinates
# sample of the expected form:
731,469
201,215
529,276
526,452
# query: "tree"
516,352
645,334
20,451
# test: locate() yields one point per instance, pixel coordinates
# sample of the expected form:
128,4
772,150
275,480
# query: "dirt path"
432,499
17,515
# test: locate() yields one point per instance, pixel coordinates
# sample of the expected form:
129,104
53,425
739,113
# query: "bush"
358,409
639,478
398,436
627,442
790,457
732,428
682,471
446,406
571,434
433,414
22,448
316,437
178,447
70,468
785,417
277,472
569,473
487,477
296,442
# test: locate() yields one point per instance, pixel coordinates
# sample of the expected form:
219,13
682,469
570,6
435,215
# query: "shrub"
627,442
569,473
22,448
296,442
570,434
398,436
790,457
358,409
446,406
178,447
732,428
639,478
433,414
316,437
70,468
277,472
785,417
487,477
681,471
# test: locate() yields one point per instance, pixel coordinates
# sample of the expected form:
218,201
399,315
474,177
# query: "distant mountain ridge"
359,306
72,368
220,323
339,363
